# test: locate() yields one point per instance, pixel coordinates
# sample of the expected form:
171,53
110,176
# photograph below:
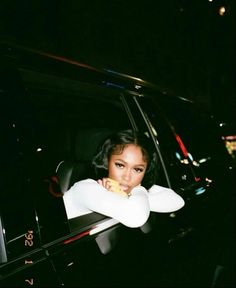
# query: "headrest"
88,142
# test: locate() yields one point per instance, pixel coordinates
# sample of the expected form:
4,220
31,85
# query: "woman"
126,167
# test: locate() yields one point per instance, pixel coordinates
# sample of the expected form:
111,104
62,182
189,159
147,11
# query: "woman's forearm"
164,200
132,212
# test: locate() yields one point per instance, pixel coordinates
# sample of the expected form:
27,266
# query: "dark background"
185,46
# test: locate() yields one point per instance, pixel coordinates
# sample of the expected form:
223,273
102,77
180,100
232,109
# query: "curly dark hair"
116,144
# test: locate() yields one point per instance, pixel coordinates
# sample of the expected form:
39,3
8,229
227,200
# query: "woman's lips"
124,187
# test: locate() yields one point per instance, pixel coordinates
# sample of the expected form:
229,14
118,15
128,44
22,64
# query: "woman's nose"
126,175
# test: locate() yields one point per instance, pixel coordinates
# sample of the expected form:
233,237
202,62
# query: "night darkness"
182,45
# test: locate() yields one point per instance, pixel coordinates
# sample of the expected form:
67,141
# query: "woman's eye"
119,165
138,170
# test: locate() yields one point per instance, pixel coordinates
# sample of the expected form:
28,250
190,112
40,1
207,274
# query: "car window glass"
198,132
145,127
172,150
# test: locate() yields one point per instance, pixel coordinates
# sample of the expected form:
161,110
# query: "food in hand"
115,187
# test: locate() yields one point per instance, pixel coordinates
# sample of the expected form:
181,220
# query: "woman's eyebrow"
136,165
141,165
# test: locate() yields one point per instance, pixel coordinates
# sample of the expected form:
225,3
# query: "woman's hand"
111,185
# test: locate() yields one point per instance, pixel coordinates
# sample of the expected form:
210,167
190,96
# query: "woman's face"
127,168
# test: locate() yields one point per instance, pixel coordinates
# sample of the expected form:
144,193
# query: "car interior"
78,166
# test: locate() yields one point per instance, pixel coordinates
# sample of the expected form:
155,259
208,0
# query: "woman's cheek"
140,178
114,173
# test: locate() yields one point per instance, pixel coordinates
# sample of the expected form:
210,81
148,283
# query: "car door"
23,262
72,120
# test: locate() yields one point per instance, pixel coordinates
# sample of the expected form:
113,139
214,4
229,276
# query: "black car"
54,114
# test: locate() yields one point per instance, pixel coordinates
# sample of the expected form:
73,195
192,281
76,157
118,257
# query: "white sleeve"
163,199
132,212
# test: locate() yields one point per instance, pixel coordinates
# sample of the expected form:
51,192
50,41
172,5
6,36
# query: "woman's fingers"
111,185
105,183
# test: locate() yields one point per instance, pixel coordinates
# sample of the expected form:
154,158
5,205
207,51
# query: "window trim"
148,124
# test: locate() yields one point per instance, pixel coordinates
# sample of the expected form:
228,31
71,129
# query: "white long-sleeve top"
88,196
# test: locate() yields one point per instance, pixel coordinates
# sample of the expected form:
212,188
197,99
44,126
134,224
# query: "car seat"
78,166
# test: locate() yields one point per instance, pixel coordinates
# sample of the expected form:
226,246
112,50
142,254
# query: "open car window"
72,120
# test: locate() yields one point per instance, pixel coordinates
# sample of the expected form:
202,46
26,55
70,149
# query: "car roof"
32,58
37,67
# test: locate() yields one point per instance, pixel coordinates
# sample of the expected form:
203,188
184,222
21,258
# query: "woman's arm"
164,200
132,212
